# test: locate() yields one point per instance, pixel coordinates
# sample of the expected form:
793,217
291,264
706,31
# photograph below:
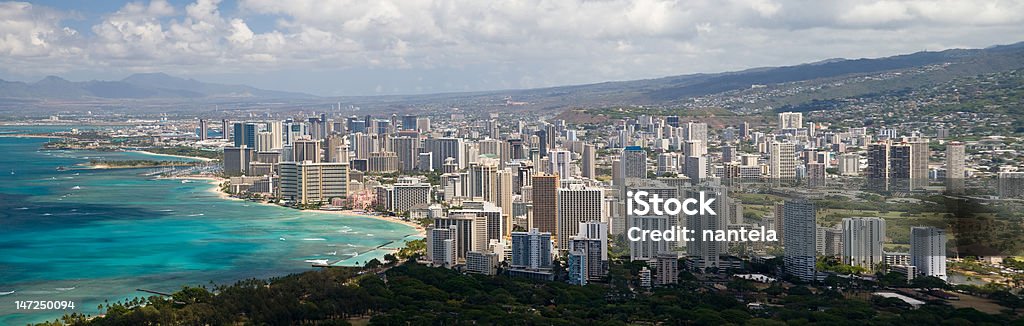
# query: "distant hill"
677,89
137,86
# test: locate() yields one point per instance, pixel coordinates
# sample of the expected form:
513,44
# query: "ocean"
92,236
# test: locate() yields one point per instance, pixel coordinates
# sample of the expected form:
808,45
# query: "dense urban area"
889,207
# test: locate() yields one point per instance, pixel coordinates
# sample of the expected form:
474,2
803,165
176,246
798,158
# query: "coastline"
214,188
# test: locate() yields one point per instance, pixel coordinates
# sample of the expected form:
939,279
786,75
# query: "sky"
378,47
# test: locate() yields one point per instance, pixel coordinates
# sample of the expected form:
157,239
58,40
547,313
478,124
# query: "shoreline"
203,159
214,188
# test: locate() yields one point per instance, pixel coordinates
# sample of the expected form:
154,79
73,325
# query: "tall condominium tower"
576,204
782,162
634,162
928,251
545,204
531,250
589,161
955,158
791,120
862,241
800,238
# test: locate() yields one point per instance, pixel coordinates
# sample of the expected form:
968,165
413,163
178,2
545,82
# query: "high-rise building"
672,120
276,130
782,162
382,162
409,122
225,129
472,231
878,166
403,195
480,262
545,203
634,162
800,239
237,159
816,177
592,241
443,148
666,268
576,204
862,241
849,164
442,246
423,124
495,219
264,141
729,154
505,198
483,180
669,163
202,129
245,134
928,251
955,174
908,165
332,148
707,251
576,270
306,150
531,250
1011,184
647,249
561,163
308,182
790,120
696,168
589,161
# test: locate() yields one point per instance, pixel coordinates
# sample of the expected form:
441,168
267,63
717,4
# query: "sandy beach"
419,228
214,188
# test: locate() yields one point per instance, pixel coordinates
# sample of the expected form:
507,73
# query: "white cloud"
523,43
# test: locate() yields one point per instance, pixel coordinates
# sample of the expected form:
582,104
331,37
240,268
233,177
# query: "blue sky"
349,47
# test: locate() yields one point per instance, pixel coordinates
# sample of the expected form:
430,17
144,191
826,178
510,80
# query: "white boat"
6,293
282,239
76,188
317,261
333,253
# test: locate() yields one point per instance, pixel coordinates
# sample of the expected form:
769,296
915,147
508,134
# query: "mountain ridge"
156,85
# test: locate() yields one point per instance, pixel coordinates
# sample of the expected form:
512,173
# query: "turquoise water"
93,235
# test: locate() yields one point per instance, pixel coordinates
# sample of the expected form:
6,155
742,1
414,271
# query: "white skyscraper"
862,241
561,163
800,239
790,120
782,162
928,250
576,204
849,164
647,249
